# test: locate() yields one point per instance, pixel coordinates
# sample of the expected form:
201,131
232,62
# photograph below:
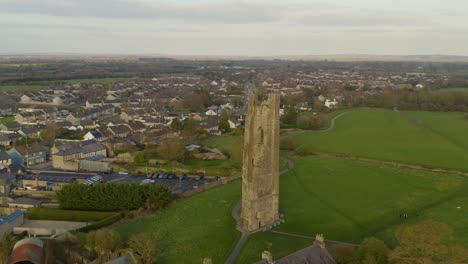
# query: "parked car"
183,177
171,175
150,176
216,178
155,176
147,181
195,187
199,177
123,172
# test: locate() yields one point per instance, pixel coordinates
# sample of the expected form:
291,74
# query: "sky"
235,27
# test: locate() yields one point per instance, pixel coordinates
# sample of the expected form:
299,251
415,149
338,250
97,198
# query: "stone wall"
260,172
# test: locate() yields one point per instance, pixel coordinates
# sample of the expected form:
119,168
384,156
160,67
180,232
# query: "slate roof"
4,155
310,255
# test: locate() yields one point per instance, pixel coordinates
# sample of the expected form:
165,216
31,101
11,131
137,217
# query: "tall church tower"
260,172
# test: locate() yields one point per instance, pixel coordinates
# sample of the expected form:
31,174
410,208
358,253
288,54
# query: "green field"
193,228
395,136
322,195
344,199
223,142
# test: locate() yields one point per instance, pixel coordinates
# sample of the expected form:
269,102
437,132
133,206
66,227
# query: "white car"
147,181
123,172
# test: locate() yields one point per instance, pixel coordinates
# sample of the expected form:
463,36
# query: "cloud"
231,12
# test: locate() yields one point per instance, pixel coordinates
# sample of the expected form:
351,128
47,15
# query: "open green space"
321,195
193,228
222,142
348,200
394,136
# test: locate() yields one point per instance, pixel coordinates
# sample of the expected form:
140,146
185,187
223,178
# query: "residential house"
30,132
71,156
7,180
10,127
32,117
136,126
5,159
28,155
94,135
120,131
5,140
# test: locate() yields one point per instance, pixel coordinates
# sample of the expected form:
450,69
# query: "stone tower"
260,172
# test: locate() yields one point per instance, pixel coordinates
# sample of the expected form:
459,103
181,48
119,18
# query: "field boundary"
390,163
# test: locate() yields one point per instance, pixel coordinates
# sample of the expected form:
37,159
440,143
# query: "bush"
103,223
66,215
111,196
287,144
301,151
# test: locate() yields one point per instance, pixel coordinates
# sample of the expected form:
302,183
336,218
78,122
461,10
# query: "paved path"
309,237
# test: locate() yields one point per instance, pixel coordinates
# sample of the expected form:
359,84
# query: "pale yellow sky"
234,27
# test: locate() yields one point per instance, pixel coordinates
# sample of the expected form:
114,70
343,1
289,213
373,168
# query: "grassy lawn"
322,195
7,119
346,200
388,135
332,196
221,142
193,228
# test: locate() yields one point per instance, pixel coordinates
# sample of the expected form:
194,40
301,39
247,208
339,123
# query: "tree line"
425,242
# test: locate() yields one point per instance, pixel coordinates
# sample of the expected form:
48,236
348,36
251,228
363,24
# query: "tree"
224,122
373,251
139,158
344,254
6,248
172,149
176,125
290,115
286,143
49,133
303,122
426,242
107,240
143,246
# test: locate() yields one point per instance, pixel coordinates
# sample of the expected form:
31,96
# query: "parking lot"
176,185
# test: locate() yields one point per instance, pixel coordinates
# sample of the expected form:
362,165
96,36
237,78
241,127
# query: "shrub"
301,151
111,196
103,223
287,144
66,215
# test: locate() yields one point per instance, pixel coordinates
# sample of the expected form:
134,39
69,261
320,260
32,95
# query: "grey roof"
11,217
25,201
4,155
310,255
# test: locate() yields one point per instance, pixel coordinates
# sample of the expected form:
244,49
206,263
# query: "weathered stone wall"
260,172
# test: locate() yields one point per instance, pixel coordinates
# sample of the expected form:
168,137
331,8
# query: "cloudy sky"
235,27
